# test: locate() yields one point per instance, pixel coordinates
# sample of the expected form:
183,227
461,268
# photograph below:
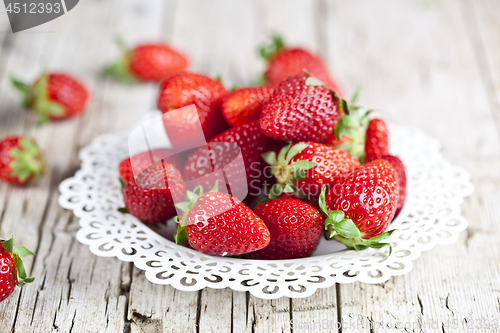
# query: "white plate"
431,216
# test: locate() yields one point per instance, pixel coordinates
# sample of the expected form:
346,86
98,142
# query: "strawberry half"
300,108
54,96
304,168
151,197
244,105
360,206
284,62
21,161
12,270
147,62
219,224
184,89
295,228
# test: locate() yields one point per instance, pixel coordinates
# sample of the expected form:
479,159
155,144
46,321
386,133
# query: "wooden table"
434,64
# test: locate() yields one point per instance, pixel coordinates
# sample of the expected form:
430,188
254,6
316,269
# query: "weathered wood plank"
74,289
415,63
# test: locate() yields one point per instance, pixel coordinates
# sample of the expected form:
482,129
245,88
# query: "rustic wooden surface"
434,64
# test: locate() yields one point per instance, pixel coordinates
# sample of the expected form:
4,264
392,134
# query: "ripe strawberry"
300,108
21,161
244,105
360,206
295,228
151,197
143,160
148,62
12,270
222,150
303,168
399,167
53,96
377,139
284,62
188,88
219,224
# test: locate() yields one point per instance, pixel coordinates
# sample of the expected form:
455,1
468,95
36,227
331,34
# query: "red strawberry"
143,160
244,105
303,168
12,270
219,153
149,62
295,228
188,88
377,139
21,161
219,224
367,197
300,108
151,197
53,96
284,62
399,167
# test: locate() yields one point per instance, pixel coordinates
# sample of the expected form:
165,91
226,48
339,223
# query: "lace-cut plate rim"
431,216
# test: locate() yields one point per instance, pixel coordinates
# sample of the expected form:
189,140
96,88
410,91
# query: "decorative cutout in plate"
431,216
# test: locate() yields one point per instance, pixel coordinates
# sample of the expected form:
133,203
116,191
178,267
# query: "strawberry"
12,270
148,62
300,108
360,206
21,161
54,96
189,88
244,105
141,161
399,167
222,150
295,228
219,224
284,62
151,197
303,168
377,139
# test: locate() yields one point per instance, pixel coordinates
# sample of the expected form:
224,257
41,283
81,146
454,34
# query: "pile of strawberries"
319,164
322,166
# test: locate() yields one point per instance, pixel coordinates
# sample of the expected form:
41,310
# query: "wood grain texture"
434,64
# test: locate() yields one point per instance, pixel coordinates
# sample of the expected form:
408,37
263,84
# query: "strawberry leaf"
269,157
347,228
9,245
294,150
322,201
122,183
183,206
312,81
275,191
22,251
283,152
123,210
289,188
